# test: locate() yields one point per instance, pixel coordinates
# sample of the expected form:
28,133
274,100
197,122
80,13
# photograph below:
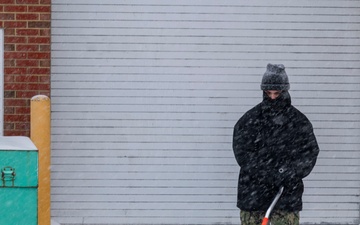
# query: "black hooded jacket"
275,146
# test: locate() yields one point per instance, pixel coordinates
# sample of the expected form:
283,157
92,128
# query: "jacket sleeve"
305,153
244,144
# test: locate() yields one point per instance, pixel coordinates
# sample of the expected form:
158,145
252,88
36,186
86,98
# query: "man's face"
273,94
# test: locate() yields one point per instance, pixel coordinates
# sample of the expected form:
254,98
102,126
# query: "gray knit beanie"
275,78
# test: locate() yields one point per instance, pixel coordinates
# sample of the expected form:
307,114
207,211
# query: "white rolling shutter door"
145,95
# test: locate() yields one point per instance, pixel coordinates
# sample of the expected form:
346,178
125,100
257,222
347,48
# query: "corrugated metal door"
145,95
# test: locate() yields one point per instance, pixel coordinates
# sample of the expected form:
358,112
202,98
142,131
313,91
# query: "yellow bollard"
40,135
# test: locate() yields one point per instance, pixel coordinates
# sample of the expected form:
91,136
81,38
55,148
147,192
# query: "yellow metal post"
40,135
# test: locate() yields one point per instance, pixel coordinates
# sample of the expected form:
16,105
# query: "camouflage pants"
276,218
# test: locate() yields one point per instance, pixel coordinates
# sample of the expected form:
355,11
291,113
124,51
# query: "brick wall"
26,25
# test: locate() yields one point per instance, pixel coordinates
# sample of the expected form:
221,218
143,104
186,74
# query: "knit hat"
275,78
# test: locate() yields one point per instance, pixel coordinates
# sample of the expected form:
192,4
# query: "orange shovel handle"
265,221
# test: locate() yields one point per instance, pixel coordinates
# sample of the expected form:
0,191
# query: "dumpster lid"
16,143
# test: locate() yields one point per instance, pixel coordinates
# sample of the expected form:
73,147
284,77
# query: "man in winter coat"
275,146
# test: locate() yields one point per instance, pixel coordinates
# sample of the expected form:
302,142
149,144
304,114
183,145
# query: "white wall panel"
145,95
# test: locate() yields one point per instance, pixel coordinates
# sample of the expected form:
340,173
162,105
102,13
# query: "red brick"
26,79
15,71
27,32
8,78
27,48
7,16
9,110
39,9
45,32
9,47
27,16
45,16
45,48
7,1
9,31
38,86
40,24
9,62
26,94
15,40
39,71
40,40
9,94
14,24
14,118
29,63
15,86
45,79
13,8
27,1
22,110
16,133
22,126
38,55
45,63
9,126
15,55
15,102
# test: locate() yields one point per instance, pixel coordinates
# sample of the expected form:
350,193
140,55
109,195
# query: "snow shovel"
271,207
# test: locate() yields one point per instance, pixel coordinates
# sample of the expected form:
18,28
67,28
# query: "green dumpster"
19,181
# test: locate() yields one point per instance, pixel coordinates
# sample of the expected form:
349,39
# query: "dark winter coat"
275,146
